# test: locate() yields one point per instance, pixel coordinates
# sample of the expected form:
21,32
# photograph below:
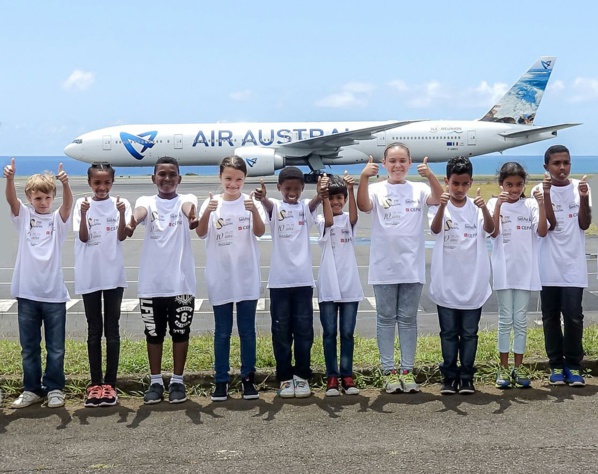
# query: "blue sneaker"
520,377
557,377
573,378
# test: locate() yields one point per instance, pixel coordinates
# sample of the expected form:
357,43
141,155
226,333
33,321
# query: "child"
339,287
38,283
563,268
166,275
291,281
100,274
517,223
460,274
397,257
230,224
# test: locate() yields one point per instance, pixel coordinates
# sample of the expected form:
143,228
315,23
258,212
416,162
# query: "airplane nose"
74,150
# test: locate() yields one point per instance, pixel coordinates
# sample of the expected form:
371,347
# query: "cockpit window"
78,141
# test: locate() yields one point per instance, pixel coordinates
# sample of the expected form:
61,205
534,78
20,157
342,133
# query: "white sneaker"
25,399
302,389
392,382
408,380
55,399
287,389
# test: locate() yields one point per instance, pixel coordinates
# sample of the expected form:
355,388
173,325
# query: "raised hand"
423,169
249,203
546,182
583,187
502,197
120,206
260,193
84,206
322,189
132,225
10,170
61,175
445,197
192,218
539,197
349,181
479,200
371,169
212,204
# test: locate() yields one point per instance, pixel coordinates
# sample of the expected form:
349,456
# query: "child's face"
458,186
337,203
166,178
291,190
101,184
397,164
232,181
559,167
514,185
41,202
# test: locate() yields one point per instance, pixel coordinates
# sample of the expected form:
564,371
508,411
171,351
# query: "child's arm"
364,203
542,223
258,224
188,209
121,233
438,221
67,194
139,215
350,183
546,185
585,211
500,200
326,207
83,229
321,189
260,195
11,192
204,220
488,222
425,171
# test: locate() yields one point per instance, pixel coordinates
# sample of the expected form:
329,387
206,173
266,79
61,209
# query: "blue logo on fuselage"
129,139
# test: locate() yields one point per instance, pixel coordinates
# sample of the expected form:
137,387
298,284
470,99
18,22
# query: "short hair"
291,172
459,165
336,185
43,183
234,162
167,160
100,166
553,150
397,145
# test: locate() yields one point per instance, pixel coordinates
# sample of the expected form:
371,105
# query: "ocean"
482,165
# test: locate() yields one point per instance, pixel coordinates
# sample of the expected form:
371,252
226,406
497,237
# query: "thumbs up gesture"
61,175
192,217
423,169
120,206
445,197
322,188
260,193
212,204
371,169
131,226
84,206
479,200
583,188
10,170
546,182
349,181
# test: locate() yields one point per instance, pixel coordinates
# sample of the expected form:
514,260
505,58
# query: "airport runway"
131,326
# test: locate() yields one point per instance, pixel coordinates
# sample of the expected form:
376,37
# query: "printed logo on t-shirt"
36,233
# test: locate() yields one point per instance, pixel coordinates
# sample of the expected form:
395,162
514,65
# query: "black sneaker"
176,393
466,387
155,394
220,393
248,387
449,386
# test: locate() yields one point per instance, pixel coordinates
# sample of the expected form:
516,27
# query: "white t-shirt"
397,251
38,272
562,253
338,279
460,273
514,251
232,255
167,265
290,263
99,263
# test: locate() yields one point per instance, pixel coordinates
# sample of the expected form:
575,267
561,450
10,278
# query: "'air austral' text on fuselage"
264,137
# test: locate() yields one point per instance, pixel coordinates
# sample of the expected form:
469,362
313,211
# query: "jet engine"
260,161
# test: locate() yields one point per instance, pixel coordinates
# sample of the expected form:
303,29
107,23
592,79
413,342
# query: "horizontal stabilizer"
536,130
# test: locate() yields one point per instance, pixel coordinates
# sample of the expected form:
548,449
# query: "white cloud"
352,94
556,86
80,80
584,89
399,85
242,96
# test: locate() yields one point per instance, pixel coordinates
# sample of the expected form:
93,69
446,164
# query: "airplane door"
106,142
178,141
381,138
471,138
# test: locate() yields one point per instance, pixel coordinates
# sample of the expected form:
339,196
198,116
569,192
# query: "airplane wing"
536,130
329,145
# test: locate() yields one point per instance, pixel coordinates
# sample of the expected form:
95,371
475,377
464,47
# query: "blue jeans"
458,339
347,317
564,349
31,316
223,321
512,313
292,313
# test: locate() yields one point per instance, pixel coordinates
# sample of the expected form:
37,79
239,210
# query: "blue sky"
71,67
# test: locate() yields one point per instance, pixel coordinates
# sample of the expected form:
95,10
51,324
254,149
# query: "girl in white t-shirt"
517,224
100,276
230,224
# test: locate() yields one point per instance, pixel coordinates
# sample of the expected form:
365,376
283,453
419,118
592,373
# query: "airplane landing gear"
312,177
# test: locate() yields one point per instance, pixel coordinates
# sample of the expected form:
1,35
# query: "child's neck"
167,196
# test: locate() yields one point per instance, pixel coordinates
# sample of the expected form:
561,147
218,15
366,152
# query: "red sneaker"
349,386
109,396
332,387
94,396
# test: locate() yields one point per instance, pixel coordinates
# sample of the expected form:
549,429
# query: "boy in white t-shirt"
166,275
460,273
38,283
291,280
563,267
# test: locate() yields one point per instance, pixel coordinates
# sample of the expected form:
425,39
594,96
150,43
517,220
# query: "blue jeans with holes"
342,316
223,321
31,316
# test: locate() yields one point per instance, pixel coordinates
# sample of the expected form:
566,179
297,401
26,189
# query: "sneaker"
25,399
109,396
392,382
573,378
449,386
332,387
557,377
408,382
94,396
503,378
220,393
349,386
466,387
55,399
176,393
249,390
302,389
520,377
287,389
155,394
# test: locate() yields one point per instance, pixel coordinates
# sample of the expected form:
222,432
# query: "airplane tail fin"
520,103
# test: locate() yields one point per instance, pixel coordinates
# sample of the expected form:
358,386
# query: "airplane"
267,147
